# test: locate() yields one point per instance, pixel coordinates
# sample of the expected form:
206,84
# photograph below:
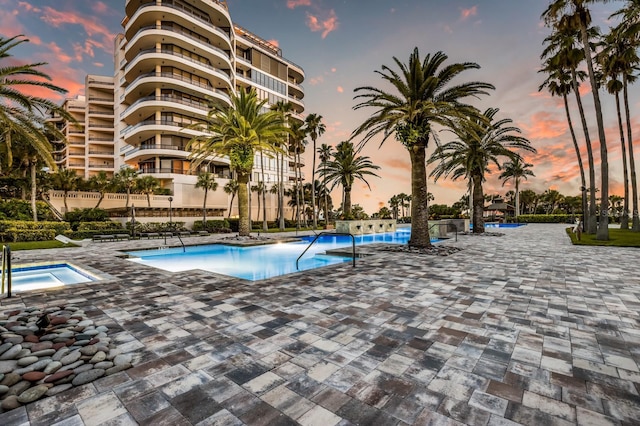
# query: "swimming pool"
260,262
32,277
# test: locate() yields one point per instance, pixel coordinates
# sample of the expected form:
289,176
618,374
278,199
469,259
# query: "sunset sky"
340,44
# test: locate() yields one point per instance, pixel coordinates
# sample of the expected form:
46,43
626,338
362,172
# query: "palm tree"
423,98
147,185
126,179
324,153
259,189
231,188
552,198
481,141
574,14
628,41
315,129
21,115
206,181
345,168
101,183
394,203
238,132
558,83
65,180
297,142
284,108
516,170
527,198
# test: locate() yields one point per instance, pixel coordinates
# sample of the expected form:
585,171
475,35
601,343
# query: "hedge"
546,218
213,226
58,227
99,226
14,235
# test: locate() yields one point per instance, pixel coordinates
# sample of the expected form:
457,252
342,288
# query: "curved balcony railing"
154,123
178,55
91,111
168,98
98,99
200,39
166,170
180,78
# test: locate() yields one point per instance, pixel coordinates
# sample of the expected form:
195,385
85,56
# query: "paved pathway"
519,329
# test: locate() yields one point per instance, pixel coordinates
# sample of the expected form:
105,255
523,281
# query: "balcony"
155,54
153,79
149,104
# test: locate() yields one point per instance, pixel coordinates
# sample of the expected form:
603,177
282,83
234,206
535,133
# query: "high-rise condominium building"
90,140
174,58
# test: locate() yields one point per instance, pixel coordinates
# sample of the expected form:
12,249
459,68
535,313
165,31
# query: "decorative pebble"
10,379
4,389
60,353
57,376
34,376
27,360
89,350
71,366
98,357
10,402
83,368
52,367
104,365
122,359
71,358
11,353
59,388
117,368
32,339
32,394
44,352
42,346
5,347
8,366
19,387
88,376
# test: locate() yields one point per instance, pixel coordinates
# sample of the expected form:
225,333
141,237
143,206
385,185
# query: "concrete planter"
374,226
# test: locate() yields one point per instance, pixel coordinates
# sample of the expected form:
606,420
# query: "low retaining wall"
374,226
440,228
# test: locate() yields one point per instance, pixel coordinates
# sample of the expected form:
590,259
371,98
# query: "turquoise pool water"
260,262
25,278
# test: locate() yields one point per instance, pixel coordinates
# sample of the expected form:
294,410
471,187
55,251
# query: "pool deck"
519,329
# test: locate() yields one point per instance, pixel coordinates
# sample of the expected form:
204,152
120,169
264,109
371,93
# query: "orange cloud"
59,53
10,25
397,163
276,43
330,23
545,125
340,89
292,4
466,13
316,80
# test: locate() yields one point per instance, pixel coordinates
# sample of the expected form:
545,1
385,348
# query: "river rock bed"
434,250
46,351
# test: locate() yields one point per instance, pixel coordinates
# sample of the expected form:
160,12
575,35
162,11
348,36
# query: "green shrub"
75,217
546,218
21,235
234,224
99,226
212,226
14,209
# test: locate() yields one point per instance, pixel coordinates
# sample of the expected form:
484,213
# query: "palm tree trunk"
420,225
603,226
591,225
326,198
204,210
624,220
313,186
244,226
99,200
478,205
64,198
517,198
34,207
635,218
347,201
233,195
580,165
265,226
128,194
300,198
148,200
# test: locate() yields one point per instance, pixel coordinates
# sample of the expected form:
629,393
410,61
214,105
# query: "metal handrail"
353,245
6,269
448,226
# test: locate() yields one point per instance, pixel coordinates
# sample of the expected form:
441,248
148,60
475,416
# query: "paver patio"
519,329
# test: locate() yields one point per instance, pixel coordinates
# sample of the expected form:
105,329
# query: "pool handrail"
353,245
6,269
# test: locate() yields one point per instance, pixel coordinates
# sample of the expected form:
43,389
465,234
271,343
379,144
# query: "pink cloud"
545,125
330,23
333,69
276,43
466,13
340,89
59,53
28,6
316,80
292,4
91,25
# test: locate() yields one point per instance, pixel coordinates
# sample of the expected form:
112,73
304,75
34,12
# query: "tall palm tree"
627,41
324,153
315,129
238,131
423,97
284,108
394,204
558,84
297,143
126,179
207,182
574,14
231,188
147,185
613,65
22,115
101,183
345,167
564,53
259,189
65,180
481,142
516,170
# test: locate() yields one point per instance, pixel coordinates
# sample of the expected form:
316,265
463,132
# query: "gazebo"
499,209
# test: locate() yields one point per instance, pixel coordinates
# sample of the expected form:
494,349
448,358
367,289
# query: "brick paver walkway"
519,329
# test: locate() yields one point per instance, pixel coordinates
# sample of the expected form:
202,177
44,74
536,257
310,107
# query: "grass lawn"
617,238
34,245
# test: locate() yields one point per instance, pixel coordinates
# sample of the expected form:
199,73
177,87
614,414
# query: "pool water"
47,276
260,262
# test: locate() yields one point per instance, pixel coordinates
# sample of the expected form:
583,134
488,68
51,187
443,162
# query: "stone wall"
373,226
